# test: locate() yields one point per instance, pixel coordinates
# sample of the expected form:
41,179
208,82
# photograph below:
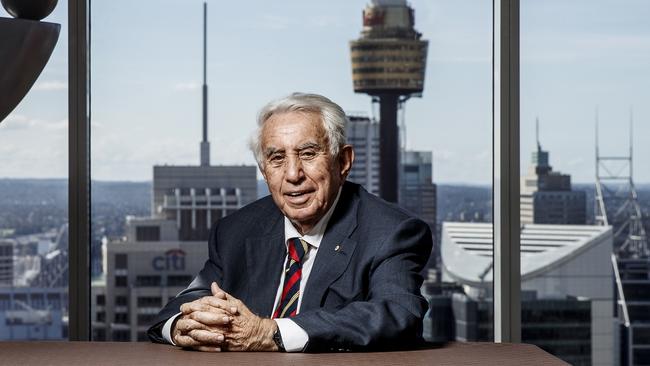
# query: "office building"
561,266
363,134
547,197
142,273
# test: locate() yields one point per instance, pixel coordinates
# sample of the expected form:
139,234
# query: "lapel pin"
337,248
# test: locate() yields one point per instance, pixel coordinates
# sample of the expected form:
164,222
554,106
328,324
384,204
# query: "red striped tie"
288,305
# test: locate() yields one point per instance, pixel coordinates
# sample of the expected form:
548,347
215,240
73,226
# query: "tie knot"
297,249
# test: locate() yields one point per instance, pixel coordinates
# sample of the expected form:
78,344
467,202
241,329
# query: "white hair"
331,115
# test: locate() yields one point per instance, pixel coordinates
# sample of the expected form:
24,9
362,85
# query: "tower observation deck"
388,63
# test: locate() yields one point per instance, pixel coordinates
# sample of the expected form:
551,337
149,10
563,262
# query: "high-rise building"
418,194
547,197
363,133
388,63
417,191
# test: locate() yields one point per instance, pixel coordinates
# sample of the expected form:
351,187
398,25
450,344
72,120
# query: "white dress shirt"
294,337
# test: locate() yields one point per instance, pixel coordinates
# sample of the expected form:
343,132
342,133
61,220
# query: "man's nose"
294,172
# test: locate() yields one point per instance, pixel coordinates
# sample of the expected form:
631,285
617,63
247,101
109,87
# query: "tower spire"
205,144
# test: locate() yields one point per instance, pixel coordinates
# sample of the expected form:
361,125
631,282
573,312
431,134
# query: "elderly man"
320,265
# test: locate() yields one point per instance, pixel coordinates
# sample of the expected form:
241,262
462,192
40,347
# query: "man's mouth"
297,197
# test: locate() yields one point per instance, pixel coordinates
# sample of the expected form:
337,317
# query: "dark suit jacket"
366,295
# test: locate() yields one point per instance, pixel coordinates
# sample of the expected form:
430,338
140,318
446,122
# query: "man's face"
302,176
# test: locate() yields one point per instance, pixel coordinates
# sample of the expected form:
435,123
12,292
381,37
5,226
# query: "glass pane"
153,201
583,81
454,120
34,201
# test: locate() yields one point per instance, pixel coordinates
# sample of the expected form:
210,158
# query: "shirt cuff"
294,337
167,329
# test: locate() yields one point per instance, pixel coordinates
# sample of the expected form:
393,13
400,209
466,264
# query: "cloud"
17,122
187,86
51,85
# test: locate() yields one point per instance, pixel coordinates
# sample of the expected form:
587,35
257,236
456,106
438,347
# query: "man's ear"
346,158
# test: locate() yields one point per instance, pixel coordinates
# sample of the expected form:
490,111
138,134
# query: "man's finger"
209,318
218,292
184,325
205,305
185,341
206,337
226,306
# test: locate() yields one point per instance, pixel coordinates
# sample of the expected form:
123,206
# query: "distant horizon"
468,184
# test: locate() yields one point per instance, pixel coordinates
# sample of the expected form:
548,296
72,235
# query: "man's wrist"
270,328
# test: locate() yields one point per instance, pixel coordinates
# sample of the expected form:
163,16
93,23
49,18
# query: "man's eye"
276,158
308,154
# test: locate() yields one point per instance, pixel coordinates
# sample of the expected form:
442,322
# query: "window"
155,301
34,196
121,318
182,280
152,174
121,281
121,301
121,261
582,160
148,233
146,319
148,281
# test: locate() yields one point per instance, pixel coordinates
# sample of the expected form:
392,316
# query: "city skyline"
148,84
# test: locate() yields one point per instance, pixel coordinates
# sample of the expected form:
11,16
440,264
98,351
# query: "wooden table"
143,354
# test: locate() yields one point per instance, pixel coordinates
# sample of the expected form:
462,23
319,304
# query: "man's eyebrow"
308,145
272,150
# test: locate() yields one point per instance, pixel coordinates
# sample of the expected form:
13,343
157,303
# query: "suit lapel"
335,250
264,258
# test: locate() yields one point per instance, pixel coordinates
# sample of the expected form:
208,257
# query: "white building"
556,261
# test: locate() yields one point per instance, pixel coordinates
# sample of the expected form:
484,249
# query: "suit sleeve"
390,317
212,272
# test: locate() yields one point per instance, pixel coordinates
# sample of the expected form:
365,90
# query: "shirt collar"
315,235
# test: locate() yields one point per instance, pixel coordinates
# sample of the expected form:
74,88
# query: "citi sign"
173,260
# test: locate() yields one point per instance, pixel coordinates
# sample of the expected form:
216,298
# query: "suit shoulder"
253,214
377,208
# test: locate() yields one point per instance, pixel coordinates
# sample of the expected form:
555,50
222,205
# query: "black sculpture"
26,45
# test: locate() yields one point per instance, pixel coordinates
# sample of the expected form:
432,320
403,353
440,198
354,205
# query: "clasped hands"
222,322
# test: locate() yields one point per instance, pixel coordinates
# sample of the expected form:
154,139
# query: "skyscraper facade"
363,133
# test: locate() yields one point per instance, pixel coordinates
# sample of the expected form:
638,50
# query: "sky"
577,57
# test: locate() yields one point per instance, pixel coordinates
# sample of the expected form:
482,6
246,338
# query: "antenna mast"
205,145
